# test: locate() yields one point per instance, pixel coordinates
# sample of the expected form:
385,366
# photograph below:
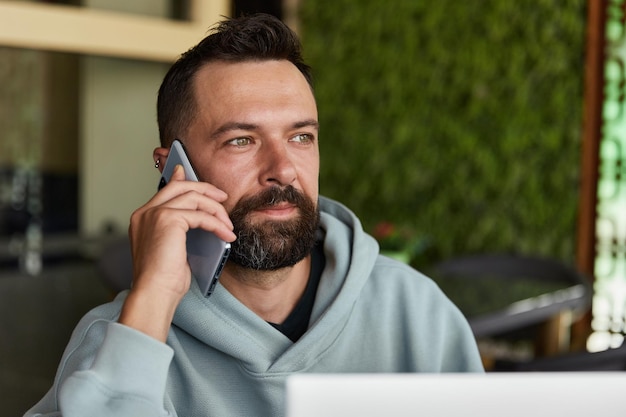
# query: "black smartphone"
206,253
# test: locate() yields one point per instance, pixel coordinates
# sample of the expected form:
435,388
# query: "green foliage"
459,119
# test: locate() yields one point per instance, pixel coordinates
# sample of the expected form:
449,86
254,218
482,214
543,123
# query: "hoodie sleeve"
126,378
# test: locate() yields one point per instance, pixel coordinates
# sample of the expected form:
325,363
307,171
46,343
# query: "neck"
272,295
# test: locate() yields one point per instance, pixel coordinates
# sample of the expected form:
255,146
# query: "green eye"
240,141
302,138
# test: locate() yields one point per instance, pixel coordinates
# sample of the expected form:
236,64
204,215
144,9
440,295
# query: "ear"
160,156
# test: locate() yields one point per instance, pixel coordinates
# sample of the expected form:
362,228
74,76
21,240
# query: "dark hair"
247,38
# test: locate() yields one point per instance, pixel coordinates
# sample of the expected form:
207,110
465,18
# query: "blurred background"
480,142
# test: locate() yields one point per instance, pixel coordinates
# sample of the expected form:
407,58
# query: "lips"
283,209
284,205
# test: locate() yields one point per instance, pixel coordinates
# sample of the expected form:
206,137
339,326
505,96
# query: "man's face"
255,137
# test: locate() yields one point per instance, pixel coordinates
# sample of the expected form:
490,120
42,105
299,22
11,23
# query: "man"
304,289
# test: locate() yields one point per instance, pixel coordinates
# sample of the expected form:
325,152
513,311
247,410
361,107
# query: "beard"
273,244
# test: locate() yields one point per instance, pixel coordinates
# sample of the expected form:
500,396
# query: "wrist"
151,314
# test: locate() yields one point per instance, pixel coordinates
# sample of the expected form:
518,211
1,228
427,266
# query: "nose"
279,168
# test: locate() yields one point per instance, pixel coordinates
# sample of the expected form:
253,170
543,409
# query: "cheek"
311,178
224,174
235,183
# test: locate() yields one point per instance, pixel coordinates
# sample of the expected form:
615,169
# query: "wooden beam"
591,136
98,32
591,133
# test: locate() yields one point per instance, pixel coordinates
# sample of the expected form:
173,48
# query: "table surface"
494,305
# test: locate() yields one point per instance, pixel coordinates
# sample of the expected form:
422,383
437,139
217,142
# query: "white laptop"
536,394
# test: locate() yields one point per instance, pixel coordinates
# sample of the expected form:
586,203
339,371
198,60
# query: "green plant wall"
461,120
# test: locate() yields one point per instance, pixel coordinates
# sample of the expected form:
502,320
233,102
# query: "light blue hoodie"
371,314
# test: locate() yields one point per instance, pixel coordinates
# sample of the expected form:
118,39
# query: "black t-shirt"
297,323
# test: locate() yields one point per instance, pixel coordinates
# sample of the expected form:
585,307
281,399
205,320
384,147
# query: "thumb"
178,174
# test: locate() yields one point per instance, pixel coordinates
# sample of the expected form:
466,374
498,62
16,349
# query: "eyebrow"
230,126
307,123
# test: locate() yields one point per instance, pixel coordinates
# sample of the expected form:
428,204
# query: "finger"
189,211
178,174
179,187
196,219
192,200
190,195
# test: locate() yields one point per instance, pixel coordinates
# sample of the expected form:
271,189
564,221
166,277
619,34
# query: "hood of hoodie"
225,324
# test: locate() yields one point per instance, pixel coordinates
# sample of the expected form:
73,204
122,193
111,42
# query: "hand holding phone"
206,253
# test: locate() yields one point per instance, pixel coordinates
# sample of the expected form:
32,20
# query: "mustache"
270,197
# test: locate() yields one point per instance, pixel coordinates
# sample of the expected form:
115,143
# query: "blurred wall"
119,132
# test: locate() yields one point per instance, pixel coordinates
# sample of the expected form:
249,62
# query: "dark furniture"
115,264
500,293
608,360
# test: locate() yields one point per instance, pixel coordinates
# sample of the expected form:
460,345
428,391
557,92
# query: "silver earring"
157,163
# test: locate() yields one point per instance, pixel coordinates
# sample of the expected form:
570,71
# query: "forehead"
240,82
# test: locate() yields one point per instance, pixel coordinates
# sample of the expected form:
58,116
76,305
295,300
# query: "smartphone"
206,253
